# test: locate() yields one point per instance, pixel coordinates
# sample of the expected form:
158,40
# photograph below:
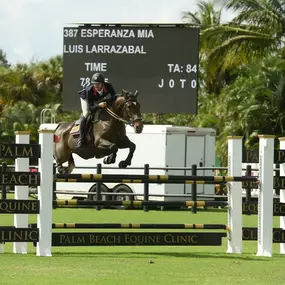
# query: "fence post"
248,189
146,187
54,186
265,195
194,189
3,197
98,187
235,195
282,194
21,192
4,187
45,193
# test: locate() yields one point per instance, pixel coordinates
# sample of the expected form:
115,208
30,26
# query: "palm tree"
256,31
38,83
48,77
252,105
208,16
16,84
22,116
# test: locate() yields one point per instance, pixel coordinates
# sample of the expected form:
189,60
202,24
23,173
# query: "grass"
141,265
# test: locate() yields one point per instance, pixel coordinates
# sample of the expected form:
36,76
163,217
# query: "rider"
98,90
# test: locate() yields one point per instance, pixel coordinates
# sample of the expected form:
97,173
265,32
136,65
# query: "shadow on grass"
138,254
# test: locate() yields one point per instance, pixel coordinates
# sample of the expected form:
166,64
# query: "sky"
33,29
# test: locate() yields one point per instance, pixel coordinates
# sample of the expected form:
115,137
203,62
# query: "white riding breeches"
84,107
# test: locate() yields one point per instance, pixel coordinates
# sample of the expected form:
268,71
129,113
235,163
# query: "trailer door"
195,154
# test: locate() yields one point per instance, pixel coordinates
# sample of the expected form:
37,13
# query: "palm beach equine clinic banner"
161,61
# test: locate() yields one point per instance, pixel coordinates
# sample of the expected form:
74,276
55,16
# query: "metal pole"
146,187
98,187
248,188
277,174
4,189
54,185
194,189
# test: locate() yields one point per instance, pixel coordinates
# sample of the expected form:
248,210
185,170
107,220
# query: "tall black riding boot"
81,138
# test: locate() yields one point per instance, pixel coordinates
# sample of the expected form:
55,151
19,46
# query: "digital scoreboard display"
161,62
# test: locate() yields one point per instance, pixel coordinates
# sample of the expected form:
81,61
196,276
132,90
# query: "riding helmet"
97,78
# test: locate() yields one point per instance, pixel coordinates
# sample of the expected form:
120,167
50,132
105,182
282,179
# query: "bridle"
117,117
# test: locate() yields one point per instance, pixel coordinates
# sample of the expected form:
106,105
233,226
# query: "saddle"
91,118
75,129
88,127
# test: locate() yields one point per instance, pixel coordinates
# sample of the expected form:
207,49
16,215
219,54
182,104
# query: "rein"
117,117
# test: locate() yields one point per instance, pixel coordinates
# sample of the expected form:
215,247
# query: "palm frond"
238,50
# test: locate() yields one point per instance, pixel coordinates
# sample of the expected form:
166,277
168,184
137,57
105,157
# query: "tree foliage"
3,59
241,77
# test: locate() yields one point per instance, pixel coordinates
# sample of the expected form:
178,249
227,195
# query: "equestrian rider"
90,98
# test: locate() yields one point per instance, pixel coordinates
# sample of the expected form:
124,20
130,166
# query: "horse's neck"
108,118
117,109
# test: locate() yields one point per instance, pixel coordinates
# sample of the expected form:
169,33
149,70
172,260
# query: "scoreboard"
160,61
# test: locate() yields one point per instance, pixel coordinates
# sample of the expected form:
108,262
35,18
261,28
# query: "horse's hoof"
123,164
60,170
106,160
65,170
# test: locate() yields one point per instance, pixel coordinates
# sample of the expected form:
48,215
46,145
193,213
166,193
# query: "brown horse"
109,134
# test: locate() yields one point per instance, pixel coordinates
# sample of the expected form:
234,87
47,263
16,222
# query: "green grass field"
141,265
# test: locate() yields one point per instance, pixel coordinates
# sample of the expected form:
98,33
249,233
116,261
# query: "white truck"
160,146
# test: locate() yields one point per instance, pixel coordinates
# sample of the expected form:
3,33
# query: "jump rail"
136,226
44,221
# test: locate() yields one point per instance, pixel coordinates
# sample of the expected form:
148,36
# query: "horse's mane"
125,94
120,98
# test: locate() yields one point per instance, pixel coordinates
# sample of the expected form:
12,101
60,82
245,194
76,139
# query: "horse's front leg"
107,148
126,143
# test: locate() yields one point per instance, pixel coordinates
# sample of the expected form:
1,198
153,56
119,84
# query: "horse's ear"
136,94
124,93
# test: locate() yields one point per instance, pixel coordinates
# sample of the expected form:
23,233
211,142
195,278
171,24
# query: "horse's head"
130,109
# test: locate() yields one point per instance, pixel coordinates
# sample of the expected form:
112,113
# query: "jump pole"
235,195
282,194
45,193
21,192
265,195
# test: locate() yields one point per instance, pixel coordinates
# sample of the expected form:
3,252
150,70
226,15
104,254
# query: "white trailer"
160,146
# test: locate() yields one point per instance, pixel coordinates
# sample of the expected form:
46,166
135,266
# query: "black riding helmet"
97,78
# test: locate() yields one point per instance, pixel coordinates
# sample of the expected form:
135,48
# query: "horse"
106,136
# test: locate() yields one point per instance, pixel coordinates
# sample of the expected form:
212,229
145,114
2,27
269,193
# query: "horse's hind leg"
61,155
62,169
59,160
71,164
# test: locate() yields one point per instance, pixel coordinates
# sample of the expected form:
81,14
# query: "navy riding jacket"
94,98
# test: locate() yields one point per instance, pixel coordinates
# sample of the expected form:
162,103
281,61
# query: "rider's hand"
103,105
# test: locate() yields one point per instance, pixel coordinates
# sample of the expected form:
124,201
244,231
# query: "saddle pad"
75,130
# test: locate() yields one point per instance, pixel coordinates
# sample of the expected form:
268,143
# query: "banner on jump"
132,238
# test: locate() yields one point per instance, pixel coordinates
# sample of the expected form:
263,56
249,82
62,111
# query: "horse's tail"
61,131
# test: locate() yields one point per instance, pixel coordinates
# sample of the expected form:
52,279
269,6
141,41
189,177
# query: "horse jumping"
107,135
